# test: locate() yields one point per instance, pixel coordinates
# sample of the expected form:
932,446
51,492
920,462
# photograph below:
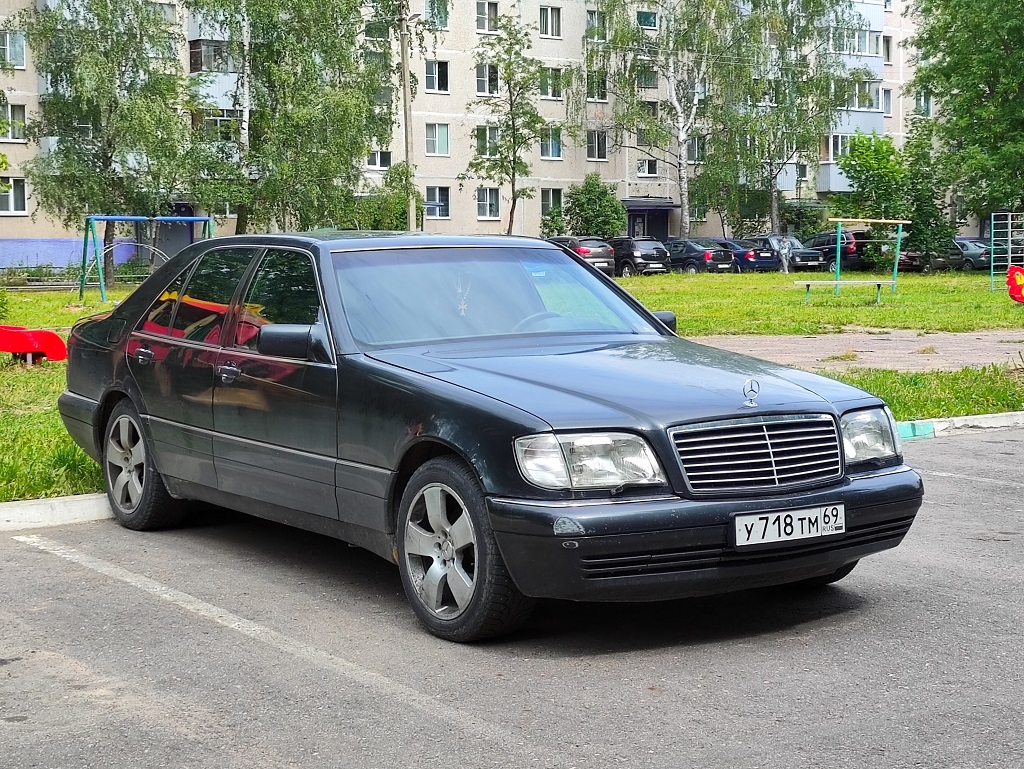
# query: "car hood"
616,383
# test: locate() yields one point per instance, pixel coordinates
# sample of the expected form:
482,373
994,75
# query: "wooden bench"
876,283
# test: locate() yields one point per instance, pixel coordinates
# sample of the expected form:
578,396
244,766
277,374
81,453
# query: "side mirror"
292,340
668,319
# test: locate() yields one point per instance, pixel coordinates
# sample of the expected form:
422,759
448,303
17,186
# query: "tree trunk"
108,252
684,194
242,219
512,210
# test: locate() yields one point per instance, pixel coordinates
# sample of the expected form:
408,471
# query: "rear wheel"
135,489
627,270
968,265
452,571
831,266
690,268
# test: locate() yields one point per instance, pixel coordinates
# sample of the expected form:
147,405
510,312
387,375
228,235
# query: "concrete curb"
933,428
57,511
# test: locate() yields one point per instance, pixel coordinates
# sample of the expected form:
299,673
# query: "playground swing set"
33,345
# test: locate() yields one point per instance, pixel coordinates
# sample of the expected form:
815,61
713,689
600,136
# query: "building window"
864,95
698,213
800,170
642,139
12,49
486,80
597,145
551,143
221,124
696,148
486,17
887,101
888,5
550,21
597,27
435,13
210,56
550,200
487,199
840,145
12,122
646,78
597,86
652,108
923,105
166,11
647,19
378,159
861,42
438,202
437,138
887,49
647,167
550,83
487,141
437,77
12,196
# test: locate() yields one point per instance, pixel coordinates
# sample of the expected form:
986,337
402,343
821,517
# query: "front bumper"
671,547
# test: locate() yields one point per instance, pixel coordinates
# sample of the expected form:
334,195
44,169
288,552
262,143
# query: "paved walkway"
899,350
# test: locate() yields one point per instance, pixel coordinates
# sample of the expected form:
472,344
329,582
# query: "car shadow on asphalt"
557,628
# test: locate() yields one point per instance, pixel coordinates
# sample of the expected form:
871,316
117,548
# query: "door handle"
228,373
144,355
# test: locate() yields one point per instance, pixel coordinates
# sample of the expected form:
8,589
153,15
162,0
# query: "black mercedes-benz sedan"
492,414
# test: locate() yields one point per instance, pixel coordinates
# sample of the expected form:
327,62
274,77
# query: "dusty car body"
490,413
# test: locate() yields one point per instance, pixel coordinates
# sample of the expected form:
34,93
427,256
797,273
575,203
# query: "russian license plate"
766,254
600,264
788,525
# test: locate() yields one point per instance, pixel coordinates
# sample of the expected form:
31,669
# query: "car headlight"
870,436
587,460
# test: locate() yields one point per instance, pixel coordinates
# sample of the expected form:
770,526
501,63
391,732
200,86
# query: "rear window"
706,243
649,245
594,243
746,244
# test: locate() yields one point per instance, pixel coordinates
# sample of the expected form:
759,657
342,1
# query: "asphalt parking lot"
234,642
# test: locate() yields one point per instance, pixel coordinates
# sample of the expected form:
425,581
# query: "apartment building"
445,133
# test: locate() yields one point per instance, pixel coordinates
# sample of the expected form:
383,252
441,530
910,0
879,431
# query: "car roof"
355,240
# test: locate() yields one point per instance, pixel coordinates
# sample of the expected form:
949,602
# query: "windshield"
403,297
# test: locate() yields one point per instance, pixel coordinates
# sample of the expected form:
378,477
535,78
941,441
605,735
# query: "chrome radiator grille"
759,453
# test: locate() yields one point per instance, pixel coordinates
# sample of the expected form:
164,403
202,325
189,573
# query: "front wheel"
452,571
135,489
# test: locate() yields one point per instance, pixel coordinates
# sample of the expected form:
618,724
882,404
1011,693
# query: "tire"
135,489
737,269
690,269
968,266
831,266
627,270
828,579
452,572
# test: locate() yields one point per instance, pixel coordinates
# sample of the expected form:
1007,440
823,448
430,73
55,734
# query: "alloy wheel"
126,463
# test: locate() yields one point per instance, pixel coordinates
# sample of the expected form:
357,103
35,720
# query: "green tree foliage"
314,91
115,104
513,127
878,178
887,183
794,84
591,208
970,54
553,223
659,78
384,207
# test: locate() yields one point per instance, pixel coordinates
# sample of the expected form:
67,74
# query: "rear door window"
284,290
202,308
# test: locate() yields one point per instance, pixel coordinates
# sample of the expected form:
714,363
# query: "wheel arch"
415,457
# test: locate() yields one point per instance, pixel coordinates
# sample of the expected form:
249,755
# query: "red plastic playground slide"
31,345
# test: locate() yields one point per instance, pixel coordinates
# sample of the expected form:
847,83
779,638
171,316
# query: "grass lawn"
40,460
769,303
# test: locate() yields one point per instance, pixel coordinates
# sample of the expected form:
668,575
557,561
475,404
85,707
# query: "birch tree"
661,65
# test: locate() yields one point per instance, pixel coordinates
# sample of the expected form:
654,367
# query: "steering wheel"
529,320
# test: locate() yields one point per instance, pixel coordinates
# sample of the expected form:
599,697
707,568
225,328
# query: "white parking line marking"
375,682
975,478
